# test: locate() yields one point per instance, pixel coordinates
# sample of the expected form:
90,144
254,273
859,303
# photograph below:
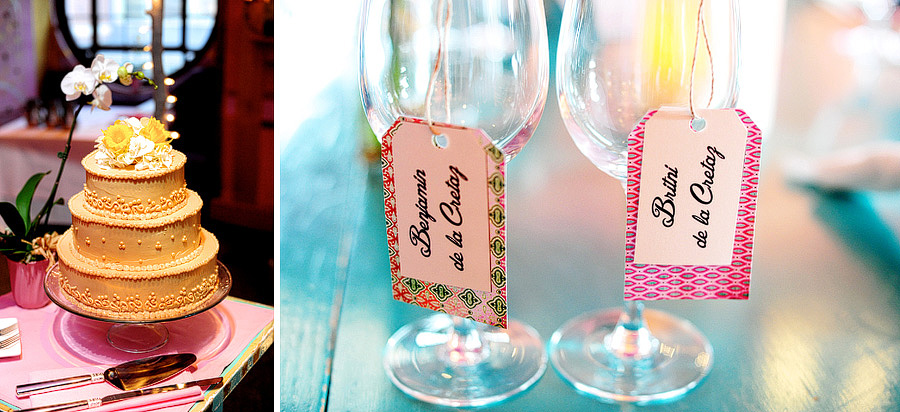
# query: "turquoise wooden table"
819,333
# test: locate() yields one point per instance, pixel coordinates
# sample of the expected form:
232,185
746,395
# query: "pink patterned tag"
691,206
444,201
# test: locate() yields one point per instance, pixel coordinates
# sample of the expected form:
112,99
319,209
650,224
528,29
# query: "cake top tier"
130,194
94,167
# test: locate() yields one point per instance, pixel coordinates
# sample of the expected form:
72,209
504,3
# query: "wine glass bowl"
616,61
479,64
495,57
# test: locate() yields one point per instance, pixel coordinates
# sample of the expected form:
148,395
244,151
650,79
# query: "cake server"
97,402
127,376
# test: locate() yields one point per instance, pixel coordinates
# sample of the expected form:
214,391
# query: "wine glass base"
137,337
580,357
424,360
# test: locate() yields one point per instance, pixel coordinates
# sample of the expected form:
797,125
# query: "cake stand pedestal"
130,335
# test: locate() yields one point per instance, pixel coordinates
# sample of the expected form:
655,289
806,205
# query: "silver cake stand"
129,335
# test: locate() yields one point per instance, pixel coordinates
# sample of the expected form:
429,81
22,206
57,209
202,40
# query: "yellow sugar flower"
117,137
154,131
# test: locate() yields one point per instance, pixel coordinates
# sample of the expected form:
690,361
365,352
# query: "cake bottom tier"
141,294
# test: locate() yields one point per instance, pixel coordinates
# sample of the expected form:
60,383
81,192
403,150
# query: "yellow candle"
667,51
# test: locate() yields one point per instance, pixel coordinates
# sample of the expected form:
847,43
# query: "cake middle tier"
136,245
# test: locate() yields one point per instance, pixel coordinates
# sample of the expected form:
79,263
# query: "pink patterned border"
663,282
481,306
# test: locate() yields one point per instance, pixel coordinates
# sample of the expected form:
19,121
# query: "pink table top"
225,339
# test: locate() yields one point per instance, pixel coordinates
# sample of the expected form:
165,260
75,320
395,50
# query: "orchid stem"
64,155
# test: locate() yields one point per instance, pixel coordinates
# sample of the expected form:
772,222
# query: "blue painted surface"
819,333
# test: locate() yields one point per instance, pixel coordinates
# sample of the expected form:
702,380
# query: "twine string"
446,58
701,26
440,59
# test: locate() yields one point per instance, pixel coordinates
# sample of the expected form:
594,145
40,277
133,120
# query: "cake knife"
127,376
97,402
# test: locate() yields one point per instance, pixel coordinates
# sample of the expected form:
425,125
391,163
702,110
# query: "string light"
171,99
147,66
168,81
170,117
175,135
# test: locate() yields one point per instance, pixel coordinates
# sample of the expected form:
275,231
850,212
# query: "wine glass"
492,75
616,61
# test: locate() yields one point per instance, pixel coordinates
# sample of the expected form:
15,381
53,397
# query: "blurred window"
121,31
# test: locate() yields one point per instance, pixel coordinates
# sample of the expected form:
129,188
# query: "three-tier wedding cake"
136,249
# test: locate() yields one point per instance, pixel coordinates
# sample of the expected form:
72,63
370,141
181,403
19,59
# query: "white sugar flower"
136,124
137,153
77,82
160,158
102,97
103,156
139,147
105,71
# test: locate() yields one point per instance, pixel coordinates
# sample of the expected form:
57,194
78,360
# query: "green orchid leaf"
24,198
12,218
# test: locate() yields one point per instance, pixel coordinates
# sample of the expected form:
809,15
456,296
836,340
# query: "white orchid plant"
25,239
92,82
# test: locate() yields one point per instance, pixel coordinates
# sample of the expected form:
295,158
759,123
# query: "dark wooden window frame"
85,56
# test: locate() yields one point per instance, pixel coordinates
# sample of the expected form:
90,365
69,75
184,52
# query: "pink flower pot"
27,281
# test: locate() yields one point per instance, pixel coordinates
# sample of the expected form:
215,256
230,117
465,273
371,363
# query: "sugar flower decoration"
117,137
139,143
154,131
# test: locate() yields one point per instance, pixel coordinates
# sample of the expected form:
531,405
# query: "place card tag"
691,205
445,210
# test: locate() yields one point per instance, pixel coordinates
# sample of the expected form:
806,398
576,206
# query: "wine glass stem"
630,344
466,345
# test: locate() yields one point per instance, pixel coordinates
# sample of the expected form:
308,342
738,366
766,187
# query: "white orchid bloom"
77,82
105,71
102,97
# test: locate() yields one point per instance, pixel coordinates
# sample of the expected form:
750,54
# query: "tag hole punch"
439,140
698,124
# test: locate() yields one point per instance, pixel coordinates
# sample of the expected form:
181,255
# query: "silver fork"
9,329
9,341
